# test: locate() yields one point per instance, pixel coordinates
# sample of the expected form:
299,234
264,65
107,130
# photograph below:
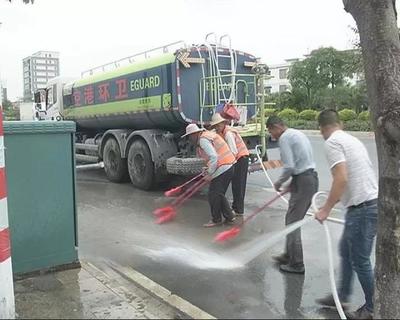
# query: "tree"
303,76
380,43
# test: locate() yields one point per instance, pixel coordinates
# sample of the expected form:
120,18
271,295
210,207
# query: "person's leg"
346,267
305,186
361,253
239,181
226,179
214,199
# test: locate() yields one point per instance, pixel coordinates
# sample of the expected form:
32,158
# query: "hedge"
347,115
308,114
364,116
288,114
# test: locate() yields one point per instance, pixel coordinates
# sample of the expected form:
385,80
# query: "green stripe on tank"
133,105
134,67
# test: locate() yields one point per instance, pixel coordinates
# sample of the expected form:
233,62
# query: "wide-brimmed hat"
216,118
192,128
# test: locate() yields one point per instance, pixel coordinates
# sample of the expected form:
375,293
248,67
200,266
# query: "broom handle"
187,192
191,180
190,192
262,208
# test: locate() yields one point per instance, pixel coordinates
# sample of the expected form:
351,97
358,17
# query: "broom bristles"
227,235
172,192
168,216
163,210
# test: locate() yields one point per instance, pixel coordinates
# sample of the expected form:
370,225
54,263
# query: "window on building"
268,90
283,73
283,88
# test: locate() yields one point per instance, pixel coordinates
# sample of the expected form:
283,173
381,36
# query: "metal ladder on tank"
216,74
136,57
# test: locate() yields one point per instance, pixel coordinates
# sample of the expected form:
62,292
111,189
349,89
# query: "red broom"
177,190
168,213
233,232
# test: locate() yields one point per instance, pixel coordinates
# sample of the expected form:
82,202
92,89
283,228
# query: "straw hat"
216,118
192,128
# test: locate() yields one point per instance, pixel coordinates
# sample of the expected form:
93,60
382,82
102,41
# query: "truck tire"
114,166
140,165
185,166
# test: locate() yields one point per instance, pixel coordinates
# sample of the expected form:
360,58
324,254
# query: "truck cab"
49,101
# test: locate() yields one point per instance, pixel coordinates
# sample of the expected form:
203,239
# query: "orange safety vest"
240,145
225,155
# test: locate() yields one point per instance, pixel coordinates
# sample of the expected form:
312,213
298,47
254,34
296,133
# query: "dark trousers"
302,189
239,184
216,197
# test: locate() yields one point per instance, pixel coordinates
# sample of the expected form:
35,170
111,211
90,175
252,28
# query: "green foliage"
9,113
364,116
302,124
288,114
354,125
269,112
358,125
308,114
347,115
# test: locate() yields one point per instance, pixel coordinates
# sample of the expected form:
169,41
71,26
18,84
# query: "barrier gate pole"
7,304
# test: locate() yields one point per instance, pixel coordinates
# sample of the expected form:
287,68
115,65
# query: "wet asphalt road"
116,224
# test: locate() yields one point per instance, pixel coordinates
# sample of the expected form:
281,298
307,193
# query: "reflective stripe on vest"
225,155
240,145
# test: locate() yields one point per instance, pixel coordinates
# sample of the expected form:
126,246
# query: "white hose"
330,257
327,233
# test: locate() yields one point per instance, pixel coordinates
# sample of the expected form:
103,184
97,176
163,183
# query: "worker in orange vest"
241,153
214,150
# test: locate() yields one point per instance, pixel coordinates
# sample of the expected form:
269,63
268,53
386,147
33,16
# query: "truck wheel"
114,166
140,165
185,166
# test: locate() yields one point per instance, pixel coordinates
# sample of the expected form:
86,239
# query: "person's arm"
230,140
209,149
288,163
337,161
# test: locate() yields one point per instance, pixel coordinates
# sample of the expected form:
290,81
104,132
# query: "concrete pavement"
103,291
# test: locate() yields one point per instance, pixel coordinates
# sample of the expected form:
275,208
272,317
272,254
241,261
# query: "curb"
183,307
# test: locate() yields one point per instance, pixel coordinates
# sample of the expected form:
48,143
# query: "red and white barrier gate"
7,304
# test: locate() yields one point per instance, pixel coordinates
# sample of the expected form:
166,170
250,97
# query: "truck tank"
163,92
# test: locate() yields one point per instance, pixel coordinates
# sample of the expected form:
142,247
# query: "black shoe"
282,258
230,222
291,269
328,301
360,313
237,214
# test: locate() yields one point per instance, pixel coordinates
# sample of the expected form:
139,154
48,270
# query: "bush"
358,125
347,115
288,114
269,112
308,114
364,116
303,124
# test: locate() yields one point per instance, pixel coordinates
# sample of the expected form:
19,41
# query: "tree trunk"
379,37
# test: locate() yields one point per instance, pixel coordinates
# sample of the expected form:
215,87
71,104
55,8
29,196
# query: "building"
4,94
37,70
277,78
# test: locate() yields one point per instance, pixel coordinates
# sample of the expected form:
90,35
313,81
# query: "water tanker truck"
131,113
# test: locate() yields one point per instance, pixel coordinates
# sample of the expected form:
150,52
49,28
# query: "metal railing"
138,56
